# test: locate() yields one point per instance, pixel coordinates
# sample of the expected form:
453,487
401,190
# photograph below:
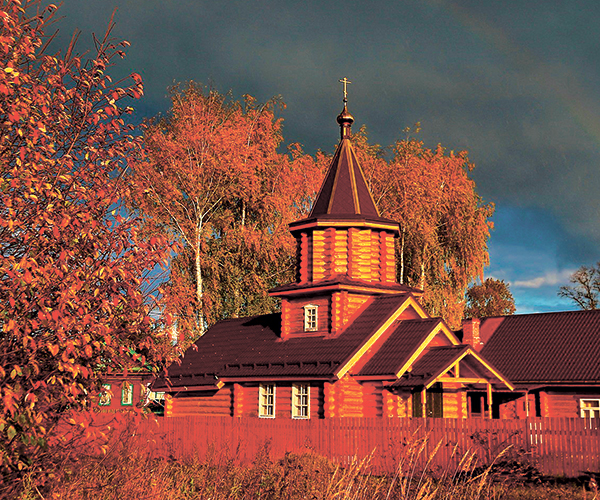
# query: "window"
105,395
126,394
590,408
266,401
311,322
301,401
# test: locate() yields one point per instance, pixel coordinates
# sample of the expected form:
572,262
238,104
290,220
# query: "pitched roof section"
399,347
437,360
344,191
431,364
562,347
252,347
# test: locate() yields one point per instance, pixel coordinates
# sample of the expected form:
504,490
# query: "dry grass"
124,473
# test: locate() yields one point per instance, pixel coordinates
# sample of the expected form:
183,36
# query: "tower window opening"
311,319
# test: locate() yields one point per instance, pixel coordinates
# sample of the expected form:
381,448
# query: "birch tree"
214,180
444,223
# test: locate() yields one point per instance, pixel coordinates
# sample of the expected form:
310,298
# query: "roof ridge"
575,311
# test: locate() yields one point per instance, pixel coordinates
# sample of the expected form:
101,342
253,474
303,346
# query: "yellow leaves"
53,348
9,326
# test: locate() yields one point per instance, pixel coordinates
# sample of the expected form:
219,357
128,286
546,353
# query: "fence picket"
558,446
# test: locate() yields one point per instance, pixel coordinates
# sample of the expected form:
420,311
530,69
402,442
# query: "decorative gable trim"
439,328
364,348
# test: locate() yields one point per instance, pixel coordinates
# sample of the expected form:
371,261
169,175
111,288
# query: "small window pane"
105,395
590,408
311,323
127,394
266,403
301,401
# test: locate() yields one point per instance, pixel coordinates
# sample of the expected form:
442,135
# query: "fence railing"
555,446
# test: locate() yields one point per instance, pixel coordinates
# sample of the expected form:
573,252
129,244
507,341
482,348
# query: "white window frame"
301,401
105,395
311,318
126,394
266,400
589,407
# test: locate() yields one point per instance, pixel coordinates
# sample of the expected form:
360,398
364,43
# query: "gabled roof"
437,360
399,347
252,348
431,365
561,347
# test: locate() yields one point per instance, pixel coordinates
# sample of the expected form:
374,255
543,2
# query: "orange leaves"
214,181
443,222
73,290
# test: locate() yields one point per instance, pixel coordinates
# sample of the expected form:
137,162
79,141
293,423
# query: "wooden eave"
383,378
303,224
195,388
280,378
311,289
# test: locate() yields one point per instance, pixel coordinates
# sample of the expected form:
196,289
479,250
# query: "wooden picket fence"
554,446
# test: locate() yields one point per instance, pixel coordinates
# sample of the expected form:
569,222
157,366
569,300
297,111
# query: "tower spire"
345,119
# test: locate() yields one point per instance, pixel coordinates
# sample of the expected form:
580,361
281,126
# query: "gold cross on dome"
345,81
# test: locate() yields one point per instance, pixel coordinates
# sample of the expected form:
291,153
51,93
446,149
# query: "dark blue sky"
515,83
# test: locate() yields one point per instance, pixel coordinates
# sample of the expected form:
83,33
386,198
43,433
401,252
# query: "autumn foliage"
214,180
73,288
490,298
444,226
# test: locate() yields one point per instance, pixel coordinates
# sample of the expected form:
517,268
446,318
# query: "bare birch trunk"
402,257
200,323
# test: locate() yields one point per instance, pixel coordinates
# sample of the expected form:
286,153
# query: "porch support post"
424,402
489,398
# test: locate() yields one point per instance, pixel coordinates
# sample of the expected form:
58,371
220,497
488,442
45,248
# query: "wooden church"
349,341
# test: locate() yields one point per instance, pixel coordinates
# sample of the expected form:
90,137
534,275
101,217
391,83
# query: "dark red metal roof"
430,365
344,191
252,347
562,347
399,347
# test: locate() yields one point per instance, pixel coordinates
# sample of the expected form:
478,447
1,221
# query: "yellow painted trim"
420,349
465,380
363,176
498,375
353,182
371,340
468,380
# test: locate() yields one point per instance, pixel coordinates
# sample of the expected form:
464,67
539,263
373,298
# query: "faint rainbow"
555,81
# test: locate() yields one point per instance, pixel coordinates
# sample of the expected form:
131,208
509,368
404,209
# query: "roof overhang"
345,222
333,287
